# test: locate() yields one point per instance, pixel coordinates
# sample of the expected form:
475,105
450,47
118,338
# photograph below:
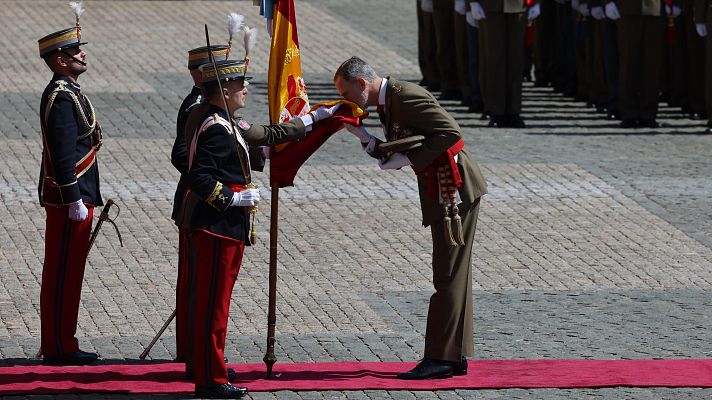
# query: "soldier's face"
354,92
72,59
237,94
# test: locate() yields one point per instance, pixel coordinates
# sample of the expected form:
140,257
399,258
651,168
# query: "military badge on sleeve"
244,125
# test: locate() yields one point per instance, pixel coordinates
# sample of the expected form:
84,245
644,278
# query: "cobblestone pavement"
594,242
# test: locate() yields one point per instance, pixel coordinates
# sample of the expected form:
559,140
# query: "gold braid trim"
216,195
89,122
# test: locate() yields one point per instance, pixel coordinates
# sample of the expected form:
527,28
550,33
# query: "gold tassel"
457,233
253,211
448,229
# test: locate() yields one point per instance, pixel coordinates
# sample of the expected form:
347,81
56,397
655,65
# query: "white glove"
674,12
583,9
426,5
533,12
470,19
323,112
245,198
460,7
597,13
701,29
575,4
360,132
612,11
78,211
395,161
477,12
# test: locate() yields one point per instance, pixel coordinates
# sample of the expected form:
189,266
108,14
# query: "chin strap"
73,57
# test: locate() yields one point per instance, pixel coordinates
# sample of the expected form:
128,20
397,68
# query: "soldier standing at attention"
68,191
179,159
641,36
450,186
502,26
215,210
703,25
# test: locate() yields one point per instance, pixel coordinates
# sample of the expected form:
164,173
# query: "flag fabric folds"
285,162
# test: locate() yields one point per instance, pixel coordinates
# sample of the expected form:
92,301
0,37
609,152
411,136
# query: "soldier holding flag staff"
215,211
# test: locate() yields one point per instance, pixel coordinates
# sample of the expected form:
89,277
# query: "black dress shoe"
497,121
649,123
515,121
224,391
429,369
460,368
697,116
629,123
76,358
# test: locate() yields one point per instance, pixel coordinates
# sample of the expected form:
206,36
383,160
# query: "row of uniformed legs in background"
624,68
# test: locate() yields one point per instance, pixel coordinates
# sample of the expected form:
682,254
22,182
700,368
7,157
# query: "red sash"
431,171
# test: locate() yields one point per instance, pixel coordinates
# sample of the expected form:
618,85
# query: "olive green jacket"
412,110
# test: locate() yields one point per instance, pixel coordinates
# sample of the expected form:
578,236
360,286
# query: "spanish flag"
288,98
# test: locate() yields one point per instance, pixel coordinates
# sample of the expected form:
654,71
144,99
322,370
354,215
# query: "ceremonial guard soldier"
216,209
68,191
419,132
179,159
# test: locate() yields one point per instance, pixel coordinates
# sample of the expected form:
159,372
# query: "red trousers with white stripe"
66,248
218,261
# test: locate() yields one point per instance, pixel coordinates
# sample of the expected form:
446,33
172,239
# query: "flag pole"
270,358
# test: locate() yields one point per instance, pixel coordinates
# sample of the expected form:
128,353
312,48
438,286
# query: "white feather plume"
235,23
77,8
250,39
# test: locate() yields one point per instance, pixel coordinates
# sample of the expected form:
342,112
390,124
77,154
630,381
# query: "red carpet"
484,374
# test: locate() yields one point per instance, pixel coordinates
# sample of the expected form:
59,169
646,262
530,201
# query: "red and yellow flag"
286,89
288,99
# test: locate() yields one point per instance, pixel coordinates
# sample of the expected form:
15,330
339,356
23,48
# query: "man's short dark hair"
354,68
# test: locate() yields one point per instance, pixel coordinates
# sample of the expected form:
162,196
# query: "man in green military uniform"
703,24
450,186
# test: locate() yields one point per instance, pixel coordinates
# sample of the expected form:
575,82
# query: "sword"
158,335
104,216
